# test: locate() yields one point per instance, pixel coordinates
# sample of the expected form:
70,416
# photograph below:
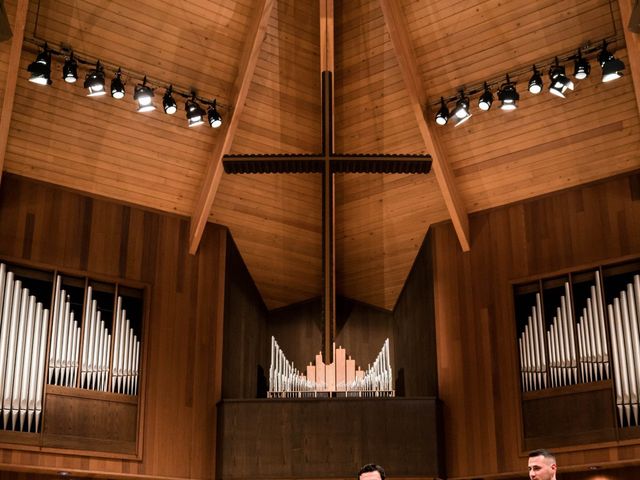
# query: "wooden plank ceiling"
103,147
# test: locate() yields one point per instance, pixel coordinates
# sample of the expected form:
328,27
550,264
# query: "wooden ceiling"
103,147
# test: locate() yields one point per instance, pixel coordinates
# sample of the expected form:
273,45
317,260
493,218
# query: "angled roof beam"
12,77
633,45
238,96
394,21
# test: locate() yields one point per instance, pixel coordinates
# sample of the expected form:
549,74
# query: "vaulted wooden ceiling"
103,147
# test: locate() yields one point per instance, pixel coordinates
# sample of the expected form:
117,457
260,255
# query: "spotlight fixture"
70,70
611,66
508,95
40,69
581,67
117,86
560,83
462,106
535,82
442,117
486,99
143,94
168,102
94,81
195,114
215,120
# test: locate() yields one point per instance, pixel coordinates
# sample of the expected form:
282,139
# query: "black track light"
117,86
486,99
535,82
143,94
70,70
508,95
168,102
611,66
581,67
215,120
40,69
94,81
195,114
442,117
560,83
461,110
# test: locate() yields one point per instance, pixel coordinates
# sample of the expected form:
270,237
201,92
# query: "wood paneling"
297,439
246,347
103,147
414,329
475,328
48,225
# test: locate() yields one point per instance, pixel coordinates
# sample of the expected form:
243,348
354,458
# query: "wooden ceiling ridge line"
632,41
395,23
239,93
13,68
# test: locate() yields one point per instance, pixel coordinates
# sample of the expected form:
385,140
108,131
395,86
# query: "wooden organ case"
71,361
579,349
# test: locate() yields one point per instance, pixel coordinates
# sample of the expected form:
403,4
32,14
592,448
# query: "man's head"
371,472
542,465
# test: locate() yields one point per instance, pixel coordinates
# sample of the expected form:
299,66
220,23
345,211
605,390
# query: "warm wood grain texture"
102,147
11,79
286,439
246,351
109,240
475,328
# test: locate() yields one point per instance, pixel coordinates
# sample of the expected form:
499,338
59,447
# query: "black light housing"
143,94
560,83
215,120
195,114
508,95
461,111
486,99
70,70
611,66
94,81
442,117
40,69
535,82
581,67
117,86
168,102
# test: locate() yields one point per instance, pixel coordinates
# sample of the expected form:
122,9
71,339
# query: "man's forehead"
370,476
540,459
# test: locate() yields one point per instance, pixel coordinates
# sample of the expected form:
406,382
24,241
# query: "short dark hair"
542,452
371,467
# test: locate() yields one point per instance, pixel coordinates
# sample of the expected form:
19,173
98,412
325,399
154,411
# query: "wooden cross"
328,163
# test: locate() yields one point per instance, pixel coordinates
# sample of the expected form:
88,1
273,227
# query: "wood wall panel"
311,439
414,329
245,364
475,328
44,224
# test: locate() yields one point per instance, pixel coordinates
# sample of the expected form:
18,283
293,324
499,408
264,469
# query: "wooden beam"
633,46
394,21
12,77
238,96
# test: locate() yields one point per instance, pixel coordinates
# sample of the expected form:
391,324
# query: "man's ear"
554,467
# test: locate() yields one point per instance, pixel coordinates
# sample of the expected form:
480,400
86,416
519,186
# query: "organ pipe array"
80,350
339,378
624,318
570,345
23,340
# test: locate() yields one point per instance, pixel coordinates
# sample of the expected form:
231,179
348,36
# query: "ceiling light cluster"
508,96
143,94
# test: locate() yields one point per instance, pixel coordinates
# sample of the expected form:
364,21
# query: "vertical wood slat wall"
48,225
478,376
